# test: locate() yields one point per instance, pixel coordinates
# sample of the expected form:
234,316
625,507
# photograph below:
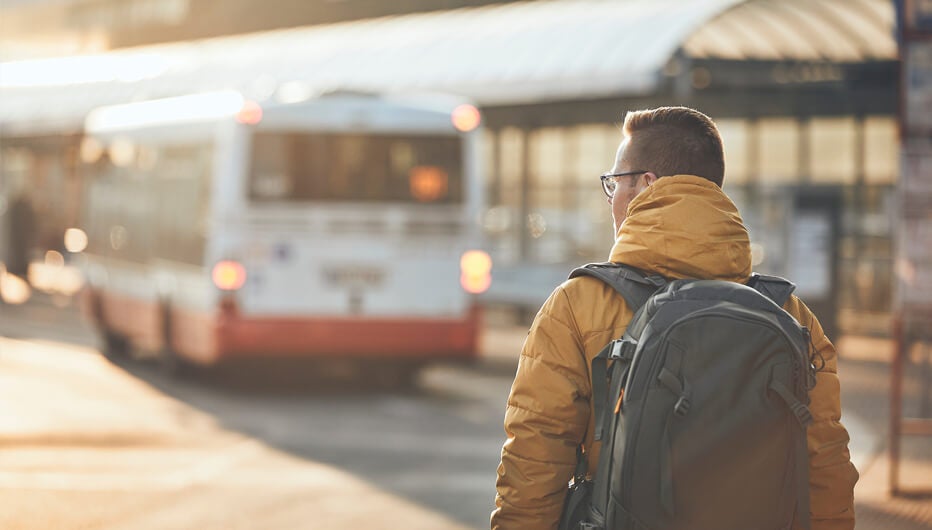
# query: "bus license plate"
354,276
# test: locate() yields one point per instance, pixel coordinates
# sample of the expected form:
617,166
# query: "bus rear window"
356,168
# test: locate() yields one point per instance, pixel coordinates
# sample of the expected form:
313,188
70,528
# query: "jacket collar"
685,226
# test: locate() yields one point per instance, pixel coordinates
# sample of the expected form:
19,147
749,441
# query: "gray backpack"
701,407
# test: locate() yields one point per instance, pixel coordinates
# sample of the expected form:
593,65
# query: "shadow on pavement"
422,440
282,378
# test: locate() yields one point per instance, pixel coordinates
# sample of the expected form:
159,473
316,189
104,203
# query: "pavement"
85,445
329,498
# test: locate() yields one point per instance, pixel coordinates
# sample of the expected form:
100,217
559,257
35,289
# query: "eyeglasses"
610,181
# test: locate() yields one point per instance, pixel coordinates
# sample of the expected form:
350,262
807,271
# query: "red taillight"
466,118
475,271
250,114
229,275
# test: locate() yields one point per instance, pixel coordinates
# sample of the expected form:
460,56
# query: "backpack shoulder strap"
632,284
773,287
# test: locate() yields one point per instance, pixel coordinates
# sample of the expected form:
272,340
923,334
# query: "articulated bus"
340,227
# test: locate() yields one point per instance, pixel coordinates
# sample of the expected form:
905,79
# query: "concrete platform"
86,445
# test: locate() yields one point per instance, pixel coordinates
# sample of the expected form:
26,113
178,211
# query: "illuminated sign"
428,183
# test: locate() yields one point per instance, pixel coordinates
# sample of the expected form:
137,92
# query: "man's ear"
650,178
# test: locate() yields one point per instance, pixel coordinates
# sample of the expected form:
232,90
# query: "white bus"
343,226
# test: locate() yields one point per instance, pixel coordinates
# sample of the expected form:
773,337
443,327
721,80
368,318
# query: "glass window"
832,153
95,221
488,150
121,223
596,146
511,144
881,150
735,139
355,168
16,164
547,156
511,164
778,149
181,178
595,150
156,208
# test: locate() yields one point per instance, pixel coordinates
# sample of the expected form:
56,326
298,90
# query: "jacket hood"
685,226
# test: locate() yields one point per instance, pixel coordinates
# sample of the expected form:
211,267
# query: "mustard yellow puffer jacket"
680,227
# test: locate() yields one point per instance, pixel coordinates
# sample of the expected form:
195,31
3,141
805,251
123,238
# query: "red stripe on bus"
416,338
205,338
193,335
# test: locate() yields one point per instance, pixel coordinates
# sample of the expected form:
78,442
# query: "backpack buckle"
802,414
624,349
681,408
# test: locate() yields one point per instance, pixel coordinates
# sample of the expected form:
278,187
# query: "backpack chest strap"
620,352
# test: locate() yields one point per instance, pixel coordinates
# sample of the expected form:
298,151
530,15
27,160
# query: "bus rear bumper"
206,338
423,339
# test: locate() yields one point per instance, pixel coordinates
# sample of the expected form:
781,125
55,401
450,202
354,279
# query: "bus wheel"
172,364
115,346
168,359
398,377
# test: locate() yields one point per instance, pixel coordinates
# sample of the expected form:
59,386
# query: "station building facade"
804,93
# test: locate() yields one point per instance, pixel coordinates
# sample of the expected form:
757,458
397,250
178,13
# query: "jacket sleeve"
832,476
546,418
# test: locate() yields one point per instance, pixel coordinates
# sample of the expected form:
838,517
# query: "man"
21,234
671,218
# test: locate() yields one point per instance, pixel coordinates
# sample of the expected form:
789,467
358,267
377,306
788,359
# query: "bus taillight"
229,275
250,114
475,271
466,118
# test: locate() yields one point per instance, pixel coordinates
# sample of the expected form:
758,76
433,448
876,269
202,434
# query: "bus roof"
346,111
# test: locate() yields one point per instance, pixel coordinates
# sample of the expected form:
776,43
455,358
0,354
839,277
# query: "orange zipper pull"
621,396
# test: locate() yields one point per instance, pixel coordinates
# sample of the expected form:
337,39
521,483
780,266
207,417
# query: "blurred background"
337,218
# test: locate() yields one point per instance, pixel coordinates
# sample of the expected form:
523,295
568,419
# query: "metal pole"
569,163
896,403
804,163
524,198
495,161
926,375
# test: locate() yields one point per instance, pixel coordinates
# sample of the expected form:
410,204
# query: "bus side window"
273,159
182,175
401,160
311,168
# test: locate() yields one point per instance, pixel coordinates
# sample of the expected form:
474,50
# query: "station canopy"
515,53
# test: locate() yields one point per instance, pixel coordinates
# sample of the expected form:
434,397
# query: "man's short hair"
674,141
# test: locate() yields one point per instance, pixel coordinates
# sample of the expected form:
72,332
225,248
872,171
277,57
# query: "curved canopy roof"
521,52
836,31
